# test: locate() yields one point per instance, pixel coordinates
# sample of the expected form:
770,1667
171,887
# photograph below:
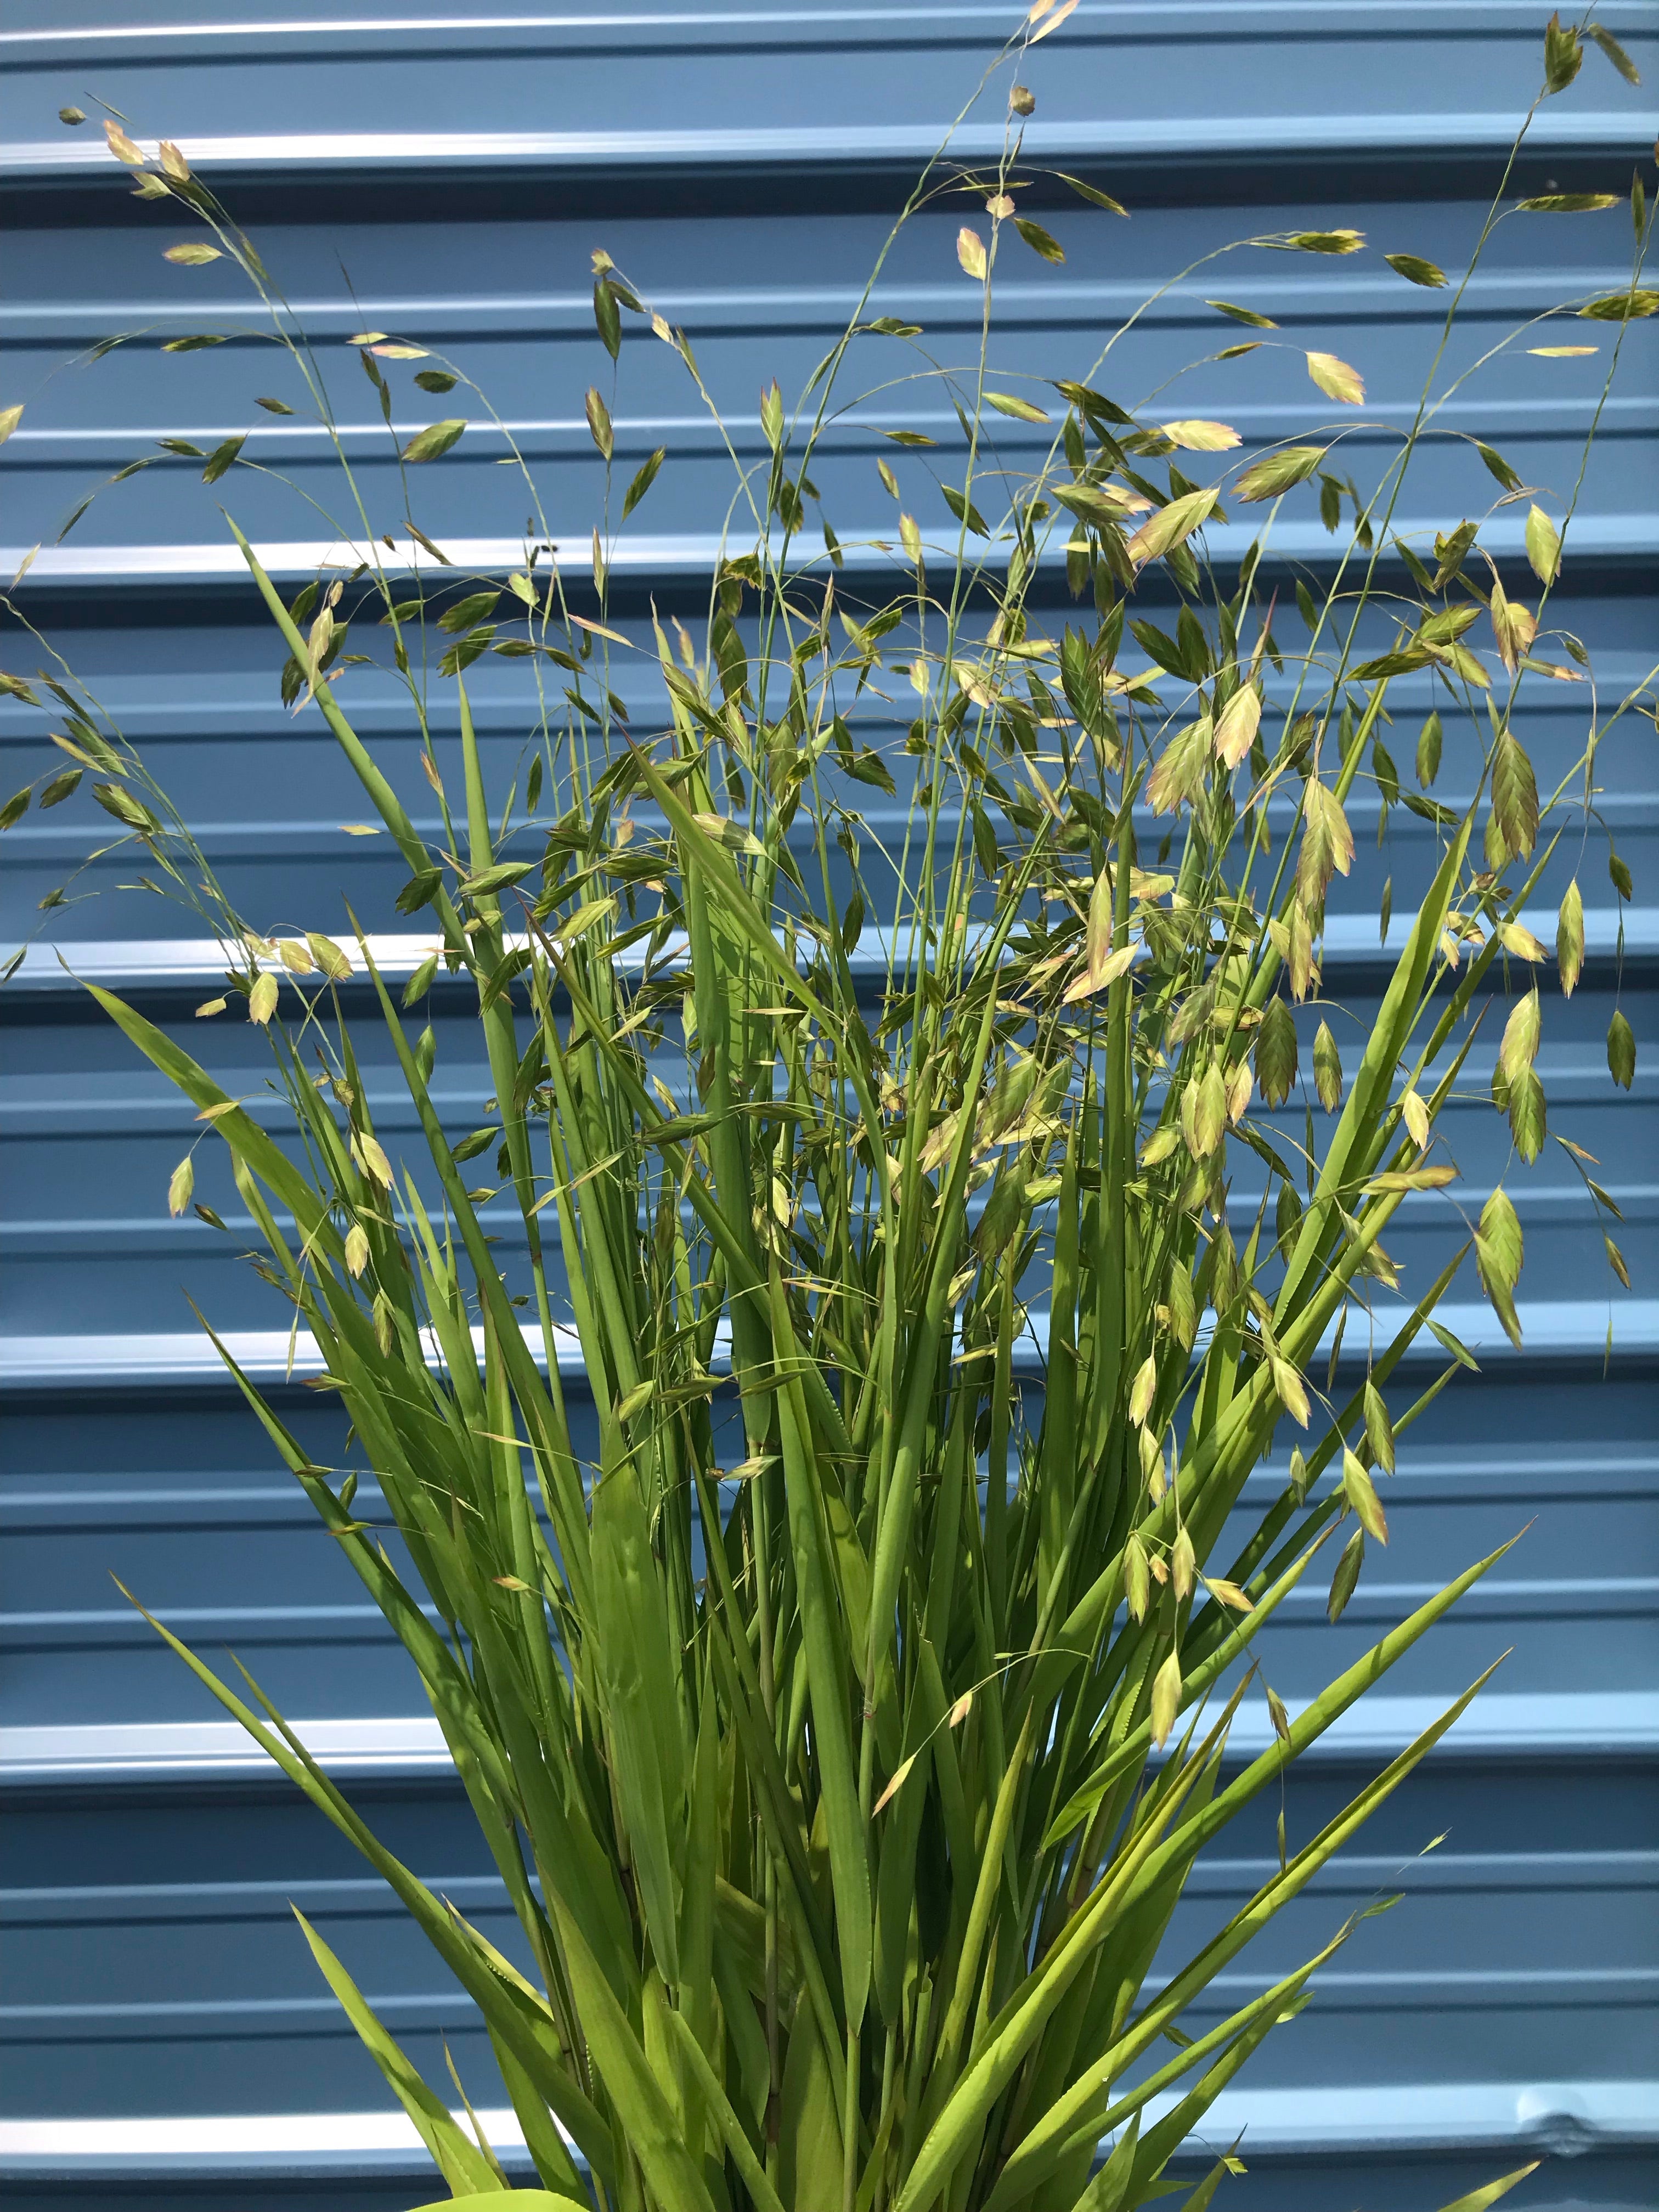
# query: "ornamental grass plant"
800,1437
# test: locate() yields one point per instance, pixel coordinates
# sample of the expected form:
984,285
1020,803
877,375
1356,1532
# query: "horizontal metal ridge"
846,145
194,962
89,1238
1559,2118
1552,1330
1497,1726
264,837
46,1504
1562,2119
180,1750
317,2146
244,707
270,1898
800,20
189,962
113,443
265,1355
1590,536
114,1628
254,2019
770,308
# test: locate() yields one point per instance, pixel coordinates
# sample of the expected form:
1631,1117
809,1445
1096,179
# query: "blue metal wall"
165,2035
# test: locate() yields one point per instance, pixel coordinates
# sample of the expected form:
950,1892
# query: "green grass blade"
457,2157
827,1669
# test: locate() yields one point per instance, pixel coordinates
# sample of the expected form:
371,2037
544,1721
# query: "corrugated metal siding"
163,2027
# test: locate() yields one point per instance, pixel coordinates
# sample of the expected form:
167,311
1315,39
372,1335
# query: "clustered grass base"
842,1678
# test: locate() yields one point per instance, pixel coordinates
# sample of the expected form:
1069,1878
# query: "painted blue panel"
216,1540
518,319
388,89
740,164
